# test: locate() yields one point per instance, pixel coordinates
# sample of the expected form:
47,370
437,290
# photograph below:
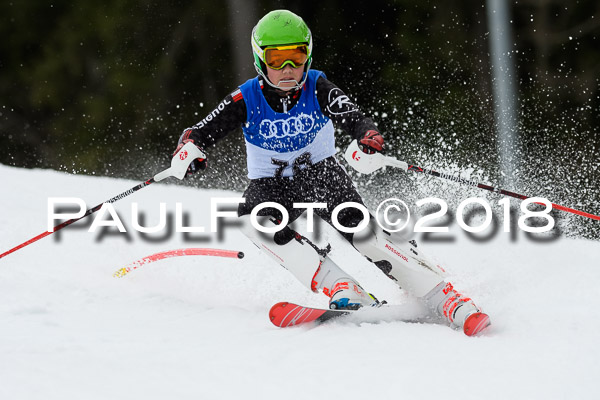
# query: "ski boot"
344,292
458,310
348,295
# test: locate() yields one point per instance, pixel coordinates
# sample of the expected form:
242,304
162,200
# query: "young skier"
287,115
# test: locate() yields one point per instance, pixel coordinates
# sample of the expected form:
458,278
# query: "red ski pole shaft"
70,221
464,181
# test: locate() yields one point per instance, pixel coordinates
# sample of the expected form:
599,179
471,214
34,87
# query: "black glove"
196,165
371,142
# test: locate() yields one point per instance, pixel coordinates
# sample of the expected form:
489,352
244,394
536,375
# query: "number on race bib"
303,159
281,166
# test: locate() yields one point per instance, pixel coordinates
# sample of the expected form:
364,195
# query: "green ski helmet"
280,28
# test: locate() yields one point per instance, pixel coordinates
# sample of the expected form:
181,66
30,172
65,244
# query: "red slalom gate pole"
121,272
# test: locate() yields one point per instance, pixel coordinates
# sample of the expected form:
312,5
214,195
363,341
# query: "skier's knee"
399,260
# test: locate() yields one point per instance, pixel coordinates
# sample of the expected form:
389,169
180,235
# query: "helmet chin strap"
296,87
286,88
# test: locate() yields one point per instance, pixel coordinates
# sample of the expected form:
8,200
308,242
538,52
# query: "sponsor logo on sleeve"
338,103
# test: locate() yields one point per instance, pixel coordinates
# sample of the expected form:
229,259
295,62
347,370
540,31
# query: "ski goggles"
279,56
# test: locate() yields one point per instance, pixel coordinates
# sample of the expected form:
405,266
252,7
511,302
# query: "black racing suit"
323,182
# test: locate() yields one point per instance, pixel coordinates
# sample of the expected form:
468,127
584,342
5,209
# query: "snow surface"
198,328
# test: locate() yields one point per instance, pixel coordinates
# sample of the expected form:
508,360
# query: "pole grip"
180,162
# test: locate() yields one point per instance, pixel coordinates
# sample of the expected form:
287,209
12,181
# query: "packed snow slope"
197,327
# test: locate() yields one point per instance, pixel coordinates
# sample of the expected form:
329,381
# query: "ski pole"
72,220
463,181
368,163
178,168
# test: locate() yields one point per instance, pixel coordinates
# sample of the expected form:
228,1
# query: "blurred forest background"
106,88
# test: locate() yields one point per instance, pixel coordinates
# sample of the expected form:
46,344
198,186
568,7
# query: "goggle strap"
289,47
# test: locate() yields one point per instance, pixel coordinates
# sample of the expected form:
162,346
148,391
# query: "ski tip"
279,313
240,254
475,323
273,312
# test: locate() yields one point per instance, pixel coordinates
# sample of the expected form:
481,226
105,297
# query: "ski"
286,314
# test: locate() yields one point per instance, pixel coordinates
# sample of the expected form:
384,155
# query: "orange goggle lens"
279,57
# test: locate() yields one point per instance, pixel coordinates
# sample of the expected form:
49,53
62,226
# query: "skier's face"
286,78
